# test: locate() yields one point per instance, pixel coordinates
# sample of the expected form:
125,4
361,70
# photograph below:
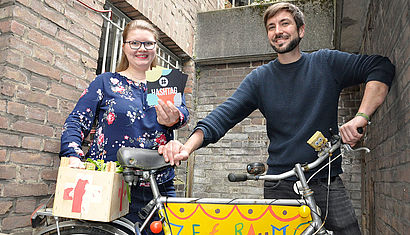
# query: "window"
111,40
239,3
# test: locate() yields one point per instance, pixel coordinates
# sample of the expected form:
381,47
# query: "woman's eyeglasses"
135,45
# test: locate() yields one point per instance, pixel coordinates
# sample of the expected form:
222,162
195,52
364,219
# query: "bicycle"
186,215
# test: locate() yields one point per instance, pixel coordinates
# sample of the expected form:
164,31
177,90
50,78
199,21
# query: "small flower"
114,81
100,139
126,137
161,140
110,118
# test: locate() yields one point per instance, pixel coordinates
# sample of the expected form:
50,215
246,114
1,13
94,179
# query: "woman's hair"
132,25
294,10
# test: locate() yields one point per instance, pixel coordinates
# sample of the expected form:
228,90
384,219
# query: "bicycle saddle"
142,159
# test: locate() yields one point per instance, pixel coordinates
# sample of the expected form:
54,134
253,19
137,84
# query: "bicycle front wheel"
82,228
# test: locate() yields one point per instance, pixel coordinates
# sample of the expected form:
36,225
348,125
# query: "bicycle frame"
148,162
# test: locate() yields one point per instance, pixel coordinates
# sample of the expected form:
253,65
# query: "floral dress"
118,109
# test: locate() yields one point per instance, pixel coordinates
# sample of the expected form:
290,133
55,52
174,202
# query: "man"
298,94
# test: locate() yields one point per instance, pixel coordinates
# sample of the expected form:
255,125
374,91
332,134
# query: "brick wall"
48,55
247,141
385,170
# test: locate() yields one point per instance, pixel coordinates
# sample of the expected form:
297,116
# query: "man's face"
282,32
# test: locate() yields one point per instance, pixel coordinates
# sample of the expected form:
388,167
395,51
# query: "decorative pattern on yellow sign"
223,219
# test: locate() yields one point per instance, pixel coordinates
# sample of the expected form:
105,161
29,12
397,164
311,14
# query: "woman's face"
141,58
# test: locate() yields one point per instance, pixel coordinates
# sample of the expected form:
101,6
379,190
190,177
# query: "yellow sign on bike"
223,219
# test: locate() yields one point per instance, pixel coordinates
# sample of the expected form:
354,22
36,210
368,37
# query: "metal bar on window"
107,34
115,48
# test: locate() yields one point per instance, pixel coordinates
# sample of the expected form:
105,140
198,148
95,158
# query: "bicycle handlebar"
334,144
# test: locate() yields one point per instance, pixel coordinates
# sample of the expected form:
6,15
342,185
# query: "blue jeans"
341,218
141,195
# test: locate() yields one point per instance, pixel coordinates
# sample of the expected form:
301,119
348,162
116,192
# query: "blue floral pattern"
118,109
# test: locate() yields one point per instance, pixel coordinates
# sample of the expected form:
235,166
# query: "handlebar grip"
360,130
237,177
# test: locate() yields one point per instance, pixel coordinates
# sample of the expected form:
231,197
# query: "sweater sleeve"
353,69
79,122
242,103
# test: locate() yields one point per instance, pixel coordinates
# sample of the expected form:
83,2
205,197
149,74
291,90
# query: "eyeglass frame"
141,43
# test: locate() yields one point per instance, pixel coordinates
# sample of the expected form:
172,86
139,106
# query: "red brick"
8,88
51,145
6,11
69,66
29,174
36,113
25,15
9,140
93,39
31,158
12,222
39,82
4,123
18,28
69,93
73,41
50,14
47,42
25,205
36,97
21,46
48,27
43,54
55,5
40,68
31,142
5,26
49,174
3,155
7,172
3,105
16,108
5,207
24,190
69,79
55,117
33,128
15,74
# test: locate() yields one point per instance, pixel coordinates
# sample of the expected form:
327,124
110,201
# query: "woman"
116,103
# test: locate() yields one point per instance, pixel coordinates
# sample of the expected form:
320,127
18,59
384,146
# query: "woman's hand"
167,114
173,152
75,162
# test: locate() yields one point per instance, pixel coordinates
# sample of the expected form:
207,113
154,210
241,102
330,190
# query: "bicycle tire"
82,228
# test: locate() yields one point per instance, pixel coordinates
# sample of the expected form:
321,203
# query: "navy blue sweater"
297,100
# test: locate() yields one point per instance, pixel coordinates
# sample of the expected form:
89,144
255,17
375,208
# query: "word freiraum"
165,91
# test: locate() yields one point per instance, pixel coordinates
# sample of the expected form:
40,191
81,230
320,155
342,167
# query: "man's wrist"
365,116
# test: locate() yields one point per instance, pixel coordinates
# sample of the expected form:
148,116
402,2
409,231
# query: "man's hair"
294,10
132,25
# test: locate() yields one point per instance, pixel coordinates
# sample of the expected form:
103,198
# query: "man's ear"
302,31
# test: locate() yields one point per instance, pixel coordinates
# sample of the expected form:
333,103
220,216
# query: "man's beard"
292,45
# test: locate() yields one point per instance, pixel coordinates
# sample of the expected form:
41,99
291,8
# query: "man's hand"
349,130
167,114
174,152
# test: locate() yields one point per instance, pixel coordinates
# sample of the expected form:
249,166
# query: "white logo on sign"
163,81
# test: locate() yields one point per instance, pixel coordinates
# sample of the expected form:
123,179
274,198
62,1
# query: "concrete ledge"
233,35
